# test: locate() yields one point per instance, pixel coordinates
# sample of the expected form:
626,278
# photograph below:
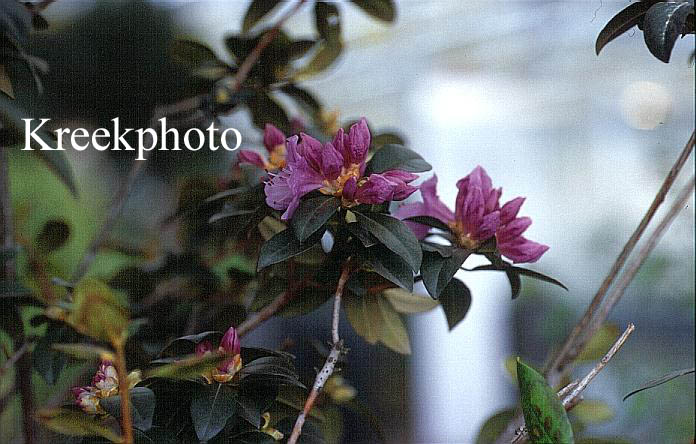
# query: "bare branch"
328,368
570,350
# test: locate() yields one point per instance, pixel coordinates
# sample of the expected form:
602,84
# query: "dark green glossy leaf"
264,109
429,221
211,407
390,266
361,233
187,368
283,246
544,414
495,426
438,271
661,380
621,22
253,402
12,116
328,21
380,9
396,157
442,250
515,283
47,361
325,56
257,10
393,234
142,401
185,345
455,300
312,214
239,47
536,275
662,25
379,140
303,98
271,370
193,54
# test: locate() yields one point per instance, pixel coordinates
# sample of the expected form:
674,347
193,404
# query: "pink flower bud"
230,342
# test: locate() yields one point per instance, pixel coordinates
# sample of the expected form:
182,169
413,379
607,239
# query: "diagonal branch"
328,368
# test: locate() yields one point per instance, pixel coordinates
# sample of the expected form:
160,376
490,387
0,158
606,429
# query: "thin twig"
14,358
265,314
571,395
115,208
328,368
643,254
570,350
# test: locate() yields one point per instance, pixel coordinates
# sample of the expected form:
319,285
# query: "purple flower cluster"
231,344
335,168
274,141
478,217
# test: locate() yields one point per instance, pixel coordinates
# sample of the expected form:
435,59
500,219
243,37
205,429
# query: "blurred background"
513,86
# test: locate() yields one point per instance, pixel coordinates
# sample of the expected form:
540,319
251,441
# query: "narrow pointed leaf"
283,246
257,10
395,235
663,24
544,414
621,22
312,214
75,423
429,221
211,408
397,157
142,401
455,300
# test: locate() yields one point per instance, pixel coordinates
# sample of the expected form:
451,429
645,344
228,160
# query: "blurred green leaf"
212,407
187,368
396,157
455,300
303,98
375,320
325,56
544,414
53,235
6,83
494,426
85,351
593,412
600,440
142,401
312,214
380,9
15,23
393,234
256,11
97,311
199,59
600,342
328,21
11,117
264,109
75,423
408,303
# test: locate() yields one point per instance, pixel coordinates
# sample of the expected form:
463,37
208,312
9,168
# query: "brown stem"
126,420
570,349
328,368
115,209
267,312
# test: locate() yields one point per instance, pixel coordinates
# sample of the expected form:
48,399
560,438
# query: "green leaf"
455,300
97,311
211,407
85,351
325,56
374,318
265,109
283,246
270,370
536,275
75,423
601,440
303,98
495,426
187,368
312,214
438,271
593,412
515,283
193,55
408,303
328,21
49,362
15,23
430,222
142,401
544,414
393,234
621,22
6,83
396,157
661,380
257,10
380,9
600,342
662,25
390,266
185,345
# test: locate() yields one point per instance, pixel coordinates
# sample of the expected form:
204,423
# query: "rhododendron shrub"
152,347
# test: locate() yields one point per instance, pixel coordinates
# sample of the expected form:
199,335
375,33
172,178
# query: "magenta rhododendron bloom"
336,168
274,141
230,344
477,218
